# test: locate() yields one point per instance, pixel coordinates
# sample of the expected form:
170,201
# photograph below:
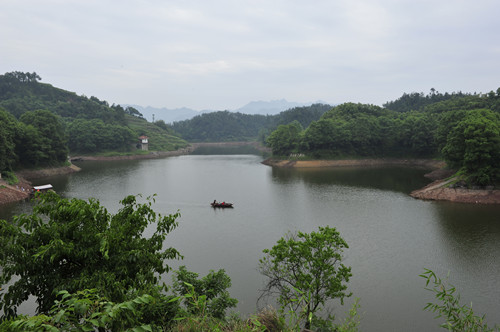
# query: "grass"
266,320
10,177
159,138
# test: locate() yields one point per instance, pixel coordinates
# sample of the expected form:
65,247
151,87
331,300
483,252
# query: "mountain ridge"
170,115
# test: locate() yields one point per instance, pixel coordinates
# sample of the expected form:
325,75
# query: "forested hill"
235,126
463,129
41,124
416,101
22,92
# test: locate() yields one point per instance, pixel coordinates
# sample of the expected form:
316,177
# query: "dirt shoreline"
437,190
22,190
440,191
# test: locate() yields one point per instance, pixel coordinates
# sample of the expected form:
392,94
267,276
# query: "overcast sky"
222,54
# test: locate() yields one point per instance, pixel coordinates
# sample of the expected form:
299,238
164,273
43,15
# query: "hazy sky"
221,54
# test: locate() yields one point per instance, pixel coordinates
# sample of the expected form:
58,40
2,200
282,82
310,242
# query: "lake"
392,237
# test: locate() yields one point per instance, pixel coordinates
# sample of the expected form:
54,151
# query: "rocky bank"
440,190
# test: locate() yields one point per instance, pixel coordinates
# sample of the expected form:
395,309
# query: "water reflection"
8,211
400,179
471,234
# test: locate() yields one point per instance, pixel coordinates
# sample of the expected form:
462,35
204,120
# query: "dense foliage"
463,129
213,296
19,95
36,139
85,311
75,244
228,126
9,132
417,101
220,126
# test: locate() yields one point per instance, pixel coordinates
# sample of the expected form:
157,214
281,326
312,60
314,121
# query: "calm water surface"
392,237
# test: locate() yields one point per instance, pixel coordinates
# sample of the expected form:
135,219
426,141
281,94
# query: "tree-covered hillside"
41,124
19,95
229,126
464,129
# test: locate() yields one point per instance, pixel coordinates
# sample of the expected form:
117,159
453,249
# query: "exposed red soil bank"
9,194
22,190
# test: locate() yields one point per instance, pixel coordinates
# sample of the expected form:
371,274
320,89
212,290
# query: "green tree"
76,244
95,136
213,287
8,156
473,146
52,139
286,139
320,135
133,111
304,115
417,134
306,266
447,121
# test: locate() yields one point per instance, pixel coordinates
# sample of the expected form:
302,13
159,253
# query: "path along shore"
437,190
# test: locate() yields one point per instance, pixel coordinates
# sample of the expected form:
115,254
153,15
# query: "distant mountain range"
254,107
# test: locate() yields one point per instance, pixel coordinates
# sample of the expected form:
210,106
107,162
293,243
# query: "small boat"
216,204
43,189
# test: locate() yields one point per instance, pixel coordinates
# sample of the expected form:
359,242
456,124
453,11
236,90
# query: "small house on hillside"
144,141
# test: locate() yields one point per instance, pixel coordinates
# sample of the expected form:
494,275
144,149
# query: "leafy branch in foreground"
458,317
205,296
85,311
